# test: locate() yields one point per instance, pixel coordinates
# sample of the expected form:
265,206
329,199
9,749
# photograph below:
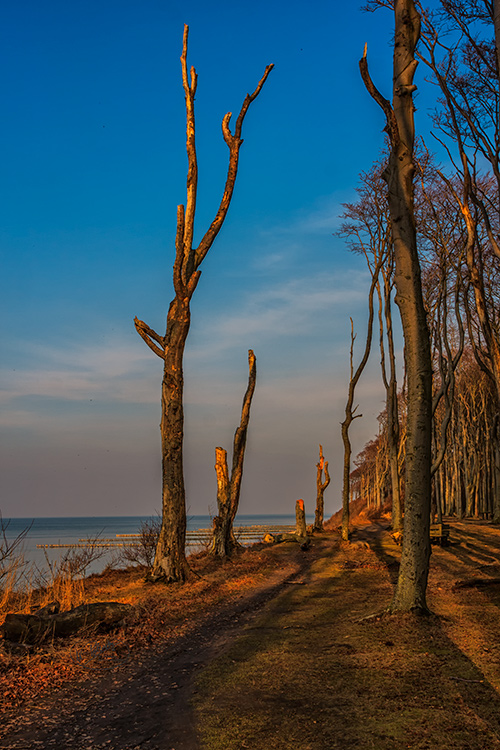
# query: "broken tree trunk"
228,490
300,519
350,409
321,486
46,623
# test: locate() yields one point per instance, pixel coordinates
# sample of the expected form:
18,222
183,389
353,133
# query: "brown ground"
274,651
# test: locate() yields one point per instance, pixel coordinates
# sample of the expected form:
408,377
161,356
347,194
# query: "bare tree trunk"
392,415
170,559
410,592
300,519
495,433
350,414
228,490
321,486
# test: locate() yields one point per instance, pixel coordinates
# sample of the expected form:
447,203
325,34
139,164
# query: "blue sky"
93,167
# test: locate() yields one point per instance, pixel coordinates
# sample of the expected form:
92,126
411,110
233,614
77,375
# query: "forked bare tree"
228,488
170,559
350,409
411,588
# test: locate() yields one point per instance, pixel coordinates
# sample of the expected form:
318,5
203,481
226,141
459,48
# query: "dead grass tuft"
161,612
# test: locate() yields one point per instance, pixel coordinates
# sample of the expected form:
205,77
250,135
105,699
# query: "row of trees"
442,432
465,482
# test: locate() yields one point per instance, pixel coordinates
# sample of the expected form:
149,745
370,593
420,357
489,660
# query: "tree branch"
234,142
149,336
192,175
384,104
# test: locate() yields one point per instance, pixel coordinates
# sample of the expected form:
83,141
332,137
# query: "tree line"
452,403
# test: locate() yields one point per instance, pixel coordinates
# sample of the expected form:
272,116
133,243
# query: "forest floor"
274,651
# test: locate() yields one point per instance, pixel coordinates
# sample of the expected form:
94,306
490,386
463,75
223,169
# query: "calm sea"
71,530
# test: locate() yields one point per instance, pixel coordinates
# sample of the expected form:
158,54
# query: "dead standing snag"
228,490
170,559
321,486
300,534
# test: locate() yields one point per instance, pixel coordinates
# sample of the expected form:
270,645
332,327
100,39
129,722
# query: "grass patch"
307,673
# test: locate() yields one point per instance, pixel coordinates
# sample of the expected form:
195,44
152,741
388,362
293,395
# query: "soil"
144,700
408,683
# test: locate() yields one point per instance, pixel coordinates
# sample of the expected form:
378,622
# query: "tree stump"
300,536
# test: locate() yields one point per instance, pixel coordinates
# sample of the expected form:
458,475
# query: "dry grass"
309,671
160,612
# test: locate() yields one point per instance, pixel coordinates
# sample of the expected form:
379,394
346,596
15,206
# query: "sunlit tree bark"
170,560
228,488
322,482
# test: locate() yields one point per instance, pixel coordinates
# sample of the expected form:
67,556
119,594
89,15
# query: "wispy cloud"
294,308
80,373
322,218
293,315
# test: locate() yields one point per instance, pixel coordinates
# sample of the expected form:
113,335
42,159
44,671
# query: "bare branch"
149,336
192,175
234,142
384,104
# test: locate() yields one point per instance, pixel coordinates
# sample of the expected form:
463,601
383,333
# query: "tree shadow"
376,536
306,670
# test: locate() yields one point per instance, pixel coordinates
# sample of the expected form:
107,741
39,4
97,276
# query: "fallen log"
303,541
37,627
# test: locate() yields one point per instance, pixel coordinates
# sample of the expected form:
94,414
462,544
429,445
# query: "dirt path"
313,673
145,704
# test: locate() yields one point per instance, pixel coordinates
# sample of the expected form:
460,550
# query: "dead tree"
228,490
170,559
411,588
321,485
300,519
350,409
368,231
299,535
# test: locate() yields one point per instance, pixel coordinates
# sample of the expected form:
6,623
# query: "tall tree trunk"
300,520
170,559
496,22
495,434
392,416
411,587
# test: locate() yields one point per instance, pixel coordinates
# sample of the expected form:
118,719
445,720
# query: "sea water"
44,531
